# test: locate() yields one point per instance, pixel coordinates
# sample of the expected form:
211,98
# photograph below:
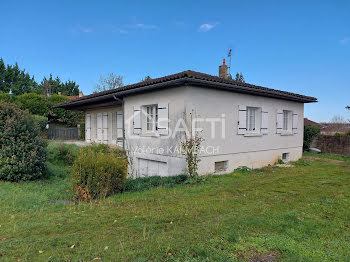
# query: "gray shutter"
114,125
105,127
279,121
88,128
264,122
295,123
137,120
242,120
163,119
119,119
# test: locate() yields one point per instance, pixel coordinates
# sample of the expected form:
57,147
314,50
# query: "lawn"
301,213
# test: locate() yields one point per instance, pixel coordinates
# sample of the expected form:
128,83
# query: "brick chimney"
81,94
223,70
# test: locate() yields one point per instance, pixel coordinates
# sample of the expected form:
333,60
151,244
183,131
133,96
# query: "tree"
338,119
34,103
147,78
50,86
12,77
239,77
111,81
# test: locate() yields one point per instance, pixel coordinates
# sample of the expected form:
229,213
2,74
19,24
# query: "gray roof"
185,78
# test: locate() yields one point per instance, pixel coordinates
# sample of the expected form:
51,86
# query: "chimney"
223,70
81,94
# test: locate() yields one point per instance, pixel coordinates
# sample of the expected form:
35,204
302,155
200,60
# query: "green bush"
62,116
96,175
310,133
22,151
4,97
146,183
34,103
40,121
62,154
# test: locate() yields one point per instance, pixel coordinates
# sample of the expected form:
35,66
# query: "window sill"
252,134
150,135
286,133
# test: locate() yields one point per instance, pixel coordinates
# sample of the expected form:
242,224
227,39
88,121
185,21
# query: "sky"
296,46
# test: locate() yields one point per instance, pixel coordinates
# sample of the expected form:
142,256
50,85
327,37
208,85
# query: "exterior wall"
93,113
238,150
145,146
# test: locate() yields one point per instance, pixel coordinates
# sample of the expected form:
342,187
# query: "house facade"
239,124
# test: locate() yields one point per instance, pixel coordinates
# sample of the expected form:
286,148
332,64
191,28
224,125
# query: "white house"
241,124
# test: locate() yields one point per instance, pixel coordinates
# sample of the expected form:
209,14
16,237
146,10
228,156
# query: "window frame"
151,118
287,121
252,120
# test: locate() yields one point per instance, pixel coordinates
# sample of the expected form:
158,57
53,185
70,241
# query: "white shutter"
264,122
295,123
119,124
242,120
88,128
279,121
163,119
114,125
99,127
137,120
105,127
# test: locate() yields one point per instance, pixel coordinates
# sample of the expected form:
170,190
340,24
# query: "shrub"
4,97
62,154
40,122
22,151
310,133
146,183
96,175
62,116
34,103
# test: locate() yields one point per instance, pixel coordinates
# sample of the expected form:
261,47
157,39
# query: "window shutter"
295,123
99,127
119,119
137,120
163,119
242,119
279,121
264,122
114,125
105,126
88,127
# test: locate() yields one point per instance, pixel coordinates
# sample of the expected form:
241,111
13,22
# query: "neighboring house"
241,124
308,122
333,128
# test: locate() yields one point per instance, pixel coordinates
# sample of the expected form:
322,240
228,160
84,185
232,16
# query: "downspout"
122,101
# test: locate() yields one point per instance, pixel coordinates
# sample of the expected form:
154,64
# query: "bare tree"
111,81
337,119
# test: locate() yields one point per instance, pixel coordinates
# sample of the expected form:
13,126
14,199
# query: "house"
331,129
308,122
240,124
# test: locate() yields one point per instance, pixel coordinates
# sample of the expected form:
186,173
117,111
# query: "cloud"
345,40
144,26
81,29
207,27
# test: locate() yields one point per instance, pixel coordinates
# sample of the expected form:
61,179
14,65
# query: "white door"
105,127
99,127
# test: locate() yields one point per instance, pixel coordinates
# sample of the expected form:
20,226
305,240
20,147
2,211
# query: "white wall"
238,150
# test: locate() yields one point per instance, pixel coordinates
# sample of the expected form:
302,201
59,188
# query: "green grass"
290,214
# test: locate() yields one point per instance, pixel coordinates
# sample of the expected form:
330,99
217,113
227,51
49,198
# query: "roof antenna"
229,61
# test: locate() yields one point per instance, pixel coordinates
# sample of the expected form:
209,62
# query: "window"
221,166
251,119
286,120
151,118
285,157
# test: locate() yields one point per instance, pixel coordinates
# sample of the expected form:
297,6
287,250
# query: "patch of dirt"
265,257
